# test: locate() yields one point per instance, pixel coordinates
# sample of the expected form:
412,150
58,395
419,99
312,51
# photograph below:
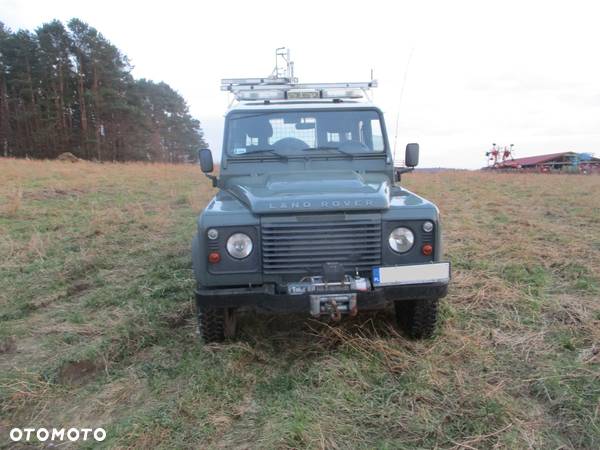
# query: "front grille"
301,247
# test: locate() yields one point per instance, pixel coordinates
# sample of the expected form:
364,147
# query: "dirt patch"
77,287
48,193
78,372
179,317
8,345
40,303
68,156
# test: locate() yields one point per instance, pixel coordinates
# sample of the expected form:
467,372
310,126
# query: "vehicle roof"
300,104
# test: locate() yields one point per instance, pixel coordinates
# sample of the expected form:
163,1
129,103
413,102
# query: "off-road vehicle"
309,217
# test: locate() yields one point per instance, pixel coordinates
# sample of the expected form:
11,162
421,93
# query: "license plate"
413,274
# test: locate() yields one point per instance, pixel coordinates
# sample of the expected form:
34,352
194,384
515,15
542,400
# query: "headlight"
239,245
401,239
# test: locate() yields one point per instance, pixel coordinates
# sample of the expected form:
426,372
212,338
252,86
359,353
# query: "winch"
331,298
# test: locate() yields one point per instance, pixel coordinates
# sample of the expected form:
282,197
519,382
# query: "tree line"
68,89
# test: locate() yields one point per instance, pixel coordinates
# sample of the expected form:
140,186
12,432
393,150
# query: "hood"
312,192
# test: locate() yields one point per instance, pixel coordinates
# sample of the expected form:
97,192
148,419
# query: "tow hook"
336,315
353,310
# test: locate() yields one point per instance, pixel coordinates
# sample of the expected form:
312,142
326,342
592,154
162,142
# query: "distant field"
97,326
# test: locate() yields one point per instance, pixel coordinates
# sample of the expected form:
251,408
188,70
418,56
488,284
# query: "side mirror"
411,159
206,160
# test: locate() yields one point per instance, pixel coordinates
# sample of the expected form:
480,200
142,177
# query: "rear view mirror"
411,159
205,159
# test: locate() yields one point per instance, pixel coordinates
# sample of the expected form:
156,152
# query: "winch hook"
336,315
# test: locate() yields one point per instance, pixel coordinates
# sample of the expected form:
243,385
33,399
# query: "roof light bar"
303,93
342,93
286,88
271,94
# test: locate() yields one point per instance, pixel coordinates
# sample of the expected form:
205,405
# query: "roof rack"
281,85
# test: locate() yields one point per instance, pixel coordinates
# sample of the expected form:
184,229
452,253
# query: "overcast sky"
523,73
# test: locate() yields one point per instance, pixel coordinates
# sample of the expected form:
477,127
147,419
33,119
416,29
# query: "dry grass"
13,203
97,328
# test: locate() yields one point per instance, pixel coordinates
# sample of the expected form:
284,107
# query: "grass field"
97,326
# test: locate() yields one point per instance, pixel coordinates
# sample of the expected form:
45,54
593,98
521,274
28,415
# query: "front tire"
216,324
417,318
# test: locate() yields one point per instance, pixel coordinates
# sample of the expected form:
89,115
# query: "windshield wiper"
265,150
343,152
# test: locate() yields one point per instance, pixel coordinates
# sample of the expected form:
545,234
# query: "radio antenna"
400,100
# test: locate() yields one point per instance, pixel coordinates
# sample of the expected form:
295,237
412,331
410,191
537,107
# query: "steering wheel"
290,143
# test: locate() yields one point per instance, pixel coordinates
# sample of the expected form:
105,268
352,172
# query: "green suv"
309,218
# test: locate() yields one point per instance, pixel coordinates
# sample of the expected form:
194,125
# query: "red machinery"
495,152
492,156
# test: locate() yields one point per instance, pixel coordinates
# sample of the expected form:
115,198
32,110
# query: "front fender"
223,211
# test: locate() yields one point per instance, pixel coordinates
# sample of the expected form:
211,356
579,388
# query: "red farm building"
565,162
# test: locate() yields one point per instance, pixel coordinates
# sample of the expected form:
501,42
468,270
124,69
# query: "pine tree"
5,130
69,89
57,84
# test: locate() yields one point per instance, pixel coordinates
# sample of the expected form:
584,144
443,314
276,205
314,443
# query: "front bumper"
265,299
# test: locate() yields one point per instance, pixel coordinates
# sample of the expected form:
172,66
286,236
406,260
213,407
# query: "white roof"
300,104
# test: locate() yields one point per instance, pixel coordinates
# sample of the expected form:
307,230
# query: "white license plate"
414,274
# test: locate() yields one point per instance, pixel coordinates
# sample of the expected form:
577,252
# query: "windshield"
301,132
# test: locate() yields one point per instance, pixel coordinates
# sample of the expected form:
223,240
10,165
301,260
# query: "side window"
377,135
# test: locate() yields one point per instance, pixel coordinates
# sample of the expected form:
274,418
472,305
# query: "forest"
68,89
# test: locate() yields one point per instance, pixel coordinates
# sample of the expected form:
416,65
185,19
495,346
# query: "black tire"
216,324
417,318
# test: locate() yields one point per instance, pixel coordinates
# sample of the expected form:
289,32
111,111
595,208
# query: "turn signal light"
214,257
427,249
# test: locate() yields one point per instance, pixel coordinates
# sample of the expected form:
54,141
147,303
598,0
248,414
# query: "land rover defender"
309,216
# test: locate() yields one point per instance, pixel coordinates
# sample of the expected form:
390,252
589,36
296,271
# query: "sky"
525,73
